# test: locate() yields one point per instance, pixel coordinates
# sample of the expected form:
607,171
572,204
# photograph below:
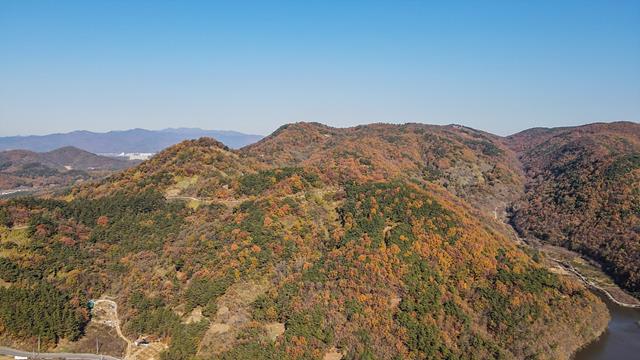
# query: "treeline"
254,184
71,240
115,206
40,310
87,211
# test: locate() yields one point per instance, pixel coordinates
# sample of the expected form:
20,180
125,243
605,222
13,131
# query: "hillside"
127,141
203,168
471,164
63,166
366,243
583,192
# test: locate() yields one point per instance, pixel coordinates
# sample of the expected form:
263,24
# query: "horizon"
316,122
501,67
132,129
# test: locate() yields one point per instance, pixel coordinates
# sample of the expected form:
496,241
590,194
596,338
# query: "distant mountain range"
128,141
65,158
60,167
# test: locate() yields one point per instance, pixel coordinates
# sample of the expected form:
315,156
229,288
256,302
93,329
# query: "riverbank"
635,304
621,340
567,262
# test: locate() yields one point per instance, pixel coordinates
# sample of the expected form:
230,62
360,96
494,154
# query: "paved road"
66,356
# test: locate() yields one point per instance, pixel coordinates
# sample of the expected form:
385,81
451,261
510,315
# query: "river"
621,340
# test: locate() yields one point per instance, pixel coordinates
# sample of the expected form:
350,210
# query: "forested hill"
471,164
53,169
369,242
65,158
583,192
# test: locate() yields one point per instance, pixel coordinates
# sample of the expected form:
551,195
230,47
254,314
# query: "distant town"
129,156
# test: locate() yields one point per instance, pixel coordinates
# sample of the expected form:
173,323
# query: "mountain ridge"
371,241
117,141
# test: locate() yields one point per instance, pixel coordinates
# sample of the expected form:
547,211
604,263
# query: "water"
621,341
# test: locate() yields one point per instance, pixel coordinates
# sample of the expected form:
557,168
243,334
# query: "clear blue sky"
500,66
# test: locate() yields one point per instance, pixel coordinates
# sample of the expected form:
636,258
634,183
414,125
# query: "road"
66,356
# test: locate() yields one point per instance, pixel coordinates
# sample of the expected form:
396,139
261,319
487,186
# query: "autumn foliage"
583,193
378,241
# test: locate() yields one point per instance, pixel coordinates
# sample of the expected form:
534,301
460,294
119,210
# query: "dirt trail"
592,284
114,321
231,203
553,252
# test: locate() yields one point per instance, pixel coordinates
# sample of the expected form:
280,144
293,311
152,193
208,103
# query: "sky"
252,66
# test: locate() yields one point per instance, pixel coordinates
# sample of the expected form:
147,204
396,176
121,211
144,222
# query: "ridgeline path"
233,202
